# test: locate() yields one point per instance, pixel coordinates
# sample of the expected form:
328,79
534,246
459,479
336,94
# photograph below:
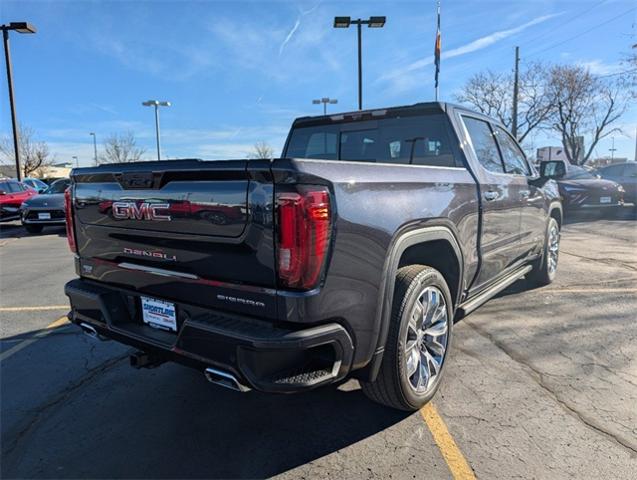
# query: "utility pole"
612,149
514,120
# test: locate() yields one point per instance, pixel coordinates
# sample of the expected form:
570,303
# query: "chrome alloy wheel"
426,339
553,248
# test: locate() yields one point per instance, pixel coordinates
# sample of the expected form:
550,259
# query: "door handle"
491,195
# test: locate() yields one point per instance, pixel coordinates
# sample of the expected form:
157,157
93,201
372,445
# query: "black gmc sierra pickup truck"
350,256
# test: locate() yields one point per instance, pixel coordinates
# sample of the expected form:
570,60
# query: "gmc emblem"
141,211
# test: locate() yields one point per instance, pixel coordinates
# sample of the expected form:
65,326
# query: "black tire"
33,229
392,386
541,274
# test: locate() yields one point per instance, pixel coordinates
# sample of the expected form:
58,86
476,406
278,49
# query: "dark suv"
349,256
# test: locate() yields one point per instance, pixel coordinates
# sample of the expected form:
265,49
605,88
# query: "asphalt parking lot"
542,384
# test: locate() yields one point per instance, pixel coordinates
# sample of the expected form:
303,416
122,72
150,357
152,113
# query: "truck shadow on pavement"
116,422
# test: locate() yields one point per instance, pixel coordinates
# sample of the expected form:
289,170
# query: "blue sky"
239,72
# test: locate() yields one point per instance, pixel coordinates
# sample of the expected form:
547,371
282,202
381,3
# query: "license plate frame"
605,199
159,314
44,216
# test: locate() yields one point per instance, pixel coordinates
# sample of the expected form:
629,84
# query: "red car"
12,194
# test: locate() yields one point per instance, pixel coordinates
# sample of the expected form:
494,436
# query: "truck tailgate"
204,220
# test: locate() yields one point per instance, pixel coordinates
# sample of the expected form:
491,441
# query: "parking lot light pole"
94,147
20,27
325,101
371,22
156,104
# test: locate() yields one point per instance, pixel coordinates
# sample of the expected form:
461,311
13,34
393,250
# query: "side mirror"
552,169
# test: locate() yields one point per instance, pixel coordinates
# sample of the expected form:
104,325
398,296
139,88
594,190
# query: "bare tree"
262,150
121,148
585,106
34,154
492,94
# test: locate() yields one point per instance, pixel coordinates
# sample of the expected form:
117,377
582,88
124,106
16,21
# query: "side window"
4,187
630,170
15,187
484,144
514,161
614,171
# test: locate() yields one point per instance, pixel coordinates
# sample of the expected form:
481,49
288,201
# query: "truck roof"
369,114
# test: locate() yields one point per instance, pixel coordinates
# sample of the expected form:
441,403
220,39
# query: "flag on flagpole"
437,51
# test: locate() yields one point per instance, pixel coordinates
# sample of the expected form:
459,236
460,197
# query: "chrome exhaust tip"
225,379
91,332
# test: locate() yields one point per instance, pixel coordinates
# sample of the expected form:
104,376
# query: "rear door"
532,214
501,205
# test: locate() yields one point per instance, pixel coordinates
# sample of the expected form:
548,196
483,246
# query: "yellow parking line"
458,465
25,343
34,309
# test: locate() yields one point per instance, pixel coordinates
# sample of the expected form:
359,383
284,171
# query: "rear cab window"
423,139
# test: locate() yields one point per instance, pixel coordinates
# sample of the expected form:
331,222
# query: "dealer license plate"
44,216
159,314
604,199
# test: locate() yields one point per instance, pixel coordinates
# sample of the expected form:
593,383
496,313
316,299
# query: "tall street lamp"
156,104
20,27
325,101
372,22
94,147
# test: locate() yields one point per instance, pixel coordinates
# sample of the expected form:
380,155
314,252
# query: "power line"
573,18
581,33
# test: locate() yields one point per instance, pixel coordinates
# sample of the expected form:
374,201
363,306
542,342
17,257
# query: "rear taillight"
70,228
303,223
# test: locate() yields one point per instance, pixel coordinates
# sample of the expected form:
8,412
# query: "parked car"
386,226
626,175
582,189
35,183
46,209
12,194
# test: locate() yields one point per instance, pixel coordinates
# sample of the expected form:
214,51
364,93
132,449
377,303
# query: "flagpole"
437,53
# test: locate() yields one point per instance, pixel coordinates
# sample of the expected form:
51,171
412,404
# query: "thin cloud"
475,45
297,24
290,35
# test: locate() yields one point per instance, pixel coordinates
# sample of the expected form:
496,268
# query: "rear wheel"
33,228
418,340
545,269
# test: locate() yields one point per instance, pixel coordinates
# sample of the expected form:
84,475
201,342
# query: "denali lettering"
142,211
149,253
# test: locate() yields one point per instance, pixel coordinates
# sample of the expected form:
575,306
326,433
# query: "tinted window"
512,156
630,170
574,172
15,187
58,186
418,140
614,170
484,144
4,187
